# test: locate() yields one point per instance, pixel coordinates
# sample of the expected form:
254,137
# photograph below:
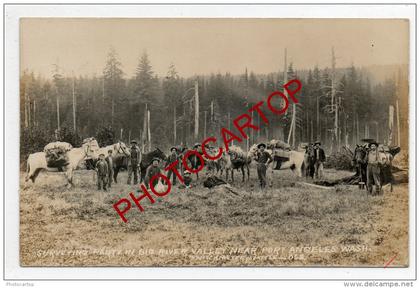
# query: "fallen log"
400,176
314,185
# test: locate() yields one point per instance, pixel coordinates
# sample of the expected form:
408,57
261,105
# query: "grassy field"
288,224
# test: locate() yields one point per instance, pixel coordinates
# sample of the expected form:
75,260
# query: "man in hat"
263,158
319,159
187,179
109,161
194,160
133,162
151,171
373,168
171,159
101,168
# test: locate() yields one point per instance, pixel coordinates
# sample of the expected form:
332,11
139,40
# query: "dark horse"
120,161
146,161
309,161
360,161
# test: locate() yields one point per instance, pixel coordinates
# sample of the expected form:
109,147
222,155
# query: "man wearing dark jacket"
110,163
151,171
319,159
133,162
101,172
171,159
263,158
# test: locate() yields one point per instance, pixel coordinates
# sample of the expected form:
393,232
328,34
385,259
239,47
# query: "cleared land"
289,224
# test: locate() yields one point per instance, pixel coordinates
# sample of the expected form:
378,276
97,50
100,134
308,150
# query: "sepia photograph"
214,142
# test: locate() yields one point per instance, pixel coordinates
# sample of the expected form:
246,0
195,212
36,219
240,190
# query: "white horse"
295,160
37,161
118,149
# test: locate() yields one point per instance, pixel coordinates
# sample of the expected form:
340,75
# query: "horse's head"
309,150
231,154
253,151
159,153
121,148
359,154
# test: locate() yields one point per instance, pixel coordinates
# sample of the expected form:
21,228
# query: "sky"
205,46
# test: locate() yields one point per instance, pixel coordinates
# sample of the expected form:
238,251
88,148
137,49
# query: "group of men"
104,168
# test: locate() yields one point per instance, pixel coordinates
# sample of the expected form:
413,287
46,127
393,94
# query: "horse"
360,161
237,159
216,166
283,159
309,161
146,161
120,154
194,161
37,162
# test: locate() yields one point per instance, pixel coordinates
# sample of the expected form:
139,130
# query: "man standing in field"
263,158
151,171
133,162
373,169
319,159
110,167
101,172
171,159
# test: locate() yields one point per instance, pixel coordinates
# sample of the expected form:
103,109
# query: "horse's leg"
35,174
227,175
116,170
247,168
233,180
28,170
243,173
69,177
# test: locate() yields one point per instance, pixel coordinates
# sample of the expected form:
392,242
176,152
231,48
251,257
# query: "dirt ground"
288,224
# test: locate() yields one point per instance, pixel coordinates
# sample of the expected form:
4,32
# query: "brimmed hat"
374,143
317,142
261,144
133,141
156,159
102,154
172,148
187,172
110,150
196,145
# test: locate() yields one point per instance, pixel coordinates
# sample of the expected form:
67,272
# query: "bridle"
120,150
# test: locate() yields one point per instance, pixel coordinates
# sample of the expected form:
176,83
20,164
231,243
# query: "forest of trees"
114,107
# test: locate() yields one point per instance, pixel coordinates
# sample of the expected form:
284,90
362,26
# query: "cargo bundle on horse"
56,154
38,161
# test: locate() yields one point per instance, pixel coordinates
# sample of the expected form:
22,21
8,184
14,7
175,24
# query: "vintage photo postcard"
207,142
